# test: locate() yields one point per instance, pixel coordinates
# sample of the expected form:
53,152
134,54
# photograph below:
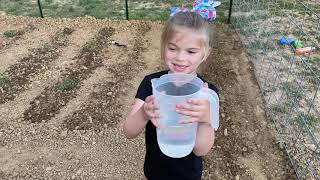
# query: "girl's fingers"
189,120
191,105
188,113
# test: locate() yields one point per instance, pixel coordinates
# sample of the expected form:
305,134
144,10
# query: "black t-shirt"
158,166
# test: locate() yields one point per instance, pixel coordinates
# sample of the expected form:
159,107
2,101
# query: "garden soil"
67,85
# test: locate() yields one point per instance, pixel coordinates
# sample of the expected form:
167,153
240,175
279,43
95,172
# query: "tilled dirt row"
53,98
81,138
103,108
35,63
29,137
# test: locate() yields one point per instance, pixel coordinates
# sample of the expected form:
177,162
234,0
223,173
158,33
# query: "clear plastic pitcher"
175,139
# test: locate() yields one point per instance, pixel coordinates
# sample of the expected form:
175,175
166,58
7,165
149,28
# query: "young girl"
185,43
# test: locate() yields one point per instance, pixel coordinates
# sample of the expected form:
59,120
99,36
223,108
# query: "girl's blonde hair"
190,20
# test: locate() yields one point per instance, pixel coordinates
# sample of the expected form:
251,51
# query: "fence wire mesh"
289,82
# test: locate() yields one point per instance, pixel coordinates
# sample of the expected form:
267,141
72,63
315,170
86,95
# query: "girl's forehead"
187,36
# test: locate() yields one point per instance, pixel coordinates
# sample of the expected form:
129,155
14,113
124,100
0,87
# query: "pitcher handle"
214,105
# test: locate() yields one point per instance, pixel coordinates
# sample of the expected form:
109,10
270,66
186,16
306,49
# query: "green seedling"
90,47
64,31
10,33
103,34
66,85
45,49
279,108
4,80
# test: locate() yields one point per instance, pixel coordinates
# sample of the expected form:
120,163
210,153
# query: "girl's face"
184,51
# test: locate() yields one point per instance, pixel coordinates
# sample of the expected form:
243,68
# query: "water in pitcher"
175,139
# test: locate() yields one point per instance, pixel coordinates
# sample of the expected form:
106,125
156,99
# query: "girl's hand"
151,110
197,109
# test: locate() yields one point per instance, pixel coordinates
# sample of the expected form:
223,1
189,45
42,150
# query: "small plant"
66,84
318,38
90,47
10,33
4,80
103,33
279,108
45,49
64,31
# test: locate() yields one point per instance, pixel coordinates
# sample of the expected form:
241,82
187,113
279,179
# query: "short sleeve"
144,89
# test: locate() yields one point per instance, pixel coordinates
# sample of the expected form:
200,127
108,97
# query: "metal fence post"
127,11
40,8
230,11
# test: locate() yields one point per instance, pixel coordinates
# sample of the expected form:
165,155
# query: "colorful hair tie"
176,10
205,8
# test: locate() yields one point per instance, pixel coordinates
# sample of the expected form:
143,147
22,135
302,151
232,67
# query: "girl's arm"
135,121
141,113
204,139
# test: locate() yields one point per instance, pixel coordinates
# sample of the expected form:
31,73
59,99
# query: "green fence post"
127,10
40,8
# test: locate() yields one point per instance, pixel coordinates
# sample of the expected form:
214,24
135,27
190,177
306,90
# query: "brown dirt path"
245,146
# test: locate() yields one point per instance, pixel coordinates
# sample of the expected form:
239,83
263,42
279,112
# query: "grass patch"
293,92
309,120
318,38
10,33
138,9
66,85
4,80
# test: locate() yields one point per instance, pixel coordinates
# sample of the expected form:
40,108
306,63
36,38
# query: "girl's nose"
181,56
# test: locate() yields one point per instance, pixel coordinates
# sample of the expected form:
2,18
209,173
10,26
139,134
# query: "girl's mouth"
179,68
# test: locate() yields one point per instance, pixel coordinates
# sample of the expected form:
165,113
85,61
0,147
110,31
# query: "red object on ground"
304,50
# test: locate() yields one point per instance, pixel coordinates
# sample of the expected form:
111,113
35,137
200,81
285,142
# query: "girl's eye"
192,52
171,49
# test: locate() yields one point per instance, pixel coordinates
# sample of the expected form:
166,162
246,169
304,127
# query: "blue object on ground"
286,40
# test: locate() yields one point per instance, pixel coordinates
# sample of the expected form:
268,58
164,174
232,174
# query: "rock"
221,98
64,134
311,147
237,177
225,132
79,172
49,168
223,115
109,93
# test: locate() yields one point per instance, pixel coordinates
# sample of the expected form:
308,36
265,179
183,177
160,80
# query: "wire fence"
289,80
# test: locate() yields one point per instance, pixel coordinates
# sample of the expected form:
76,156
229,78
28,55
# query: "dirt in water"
82,139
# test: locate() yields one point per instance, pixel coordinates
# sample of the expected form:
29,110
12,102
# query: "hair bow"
206,8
